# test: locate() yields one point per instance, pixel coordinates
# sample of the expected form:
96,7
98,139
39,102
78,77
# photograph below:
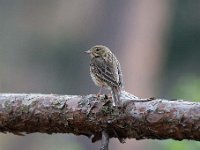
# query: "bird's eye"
97,49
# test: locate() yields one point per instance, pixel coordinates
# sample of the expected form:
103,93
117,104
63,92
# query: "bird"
105,71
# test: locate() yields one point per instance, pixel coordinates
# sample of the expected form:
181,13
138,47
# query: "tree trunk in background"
146,27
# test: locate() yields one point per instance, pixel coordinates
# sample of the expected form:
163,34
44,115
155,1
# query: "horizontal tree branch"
90,115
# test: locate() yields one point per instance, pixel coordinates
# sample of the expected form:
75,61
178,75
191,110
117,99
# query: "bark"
90,115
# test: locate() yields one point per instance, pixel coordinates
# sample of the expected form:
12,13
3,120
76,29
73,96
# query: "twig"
104,140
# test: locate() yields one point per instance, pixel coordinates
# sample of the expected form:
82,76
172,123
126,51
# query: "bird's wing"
107,71
121,82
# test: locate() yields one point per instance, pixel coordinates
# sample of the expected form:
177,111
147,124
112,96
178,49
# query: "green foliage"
180,145
187,87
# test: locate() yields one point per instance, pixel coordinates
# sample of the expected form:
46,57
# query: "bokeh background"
41,51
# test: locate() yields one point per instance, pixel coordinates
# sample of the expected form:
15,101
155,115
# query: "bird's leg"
99,93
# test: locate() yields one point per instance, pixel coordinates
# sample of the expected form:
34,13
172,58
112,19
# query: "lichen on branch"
90,115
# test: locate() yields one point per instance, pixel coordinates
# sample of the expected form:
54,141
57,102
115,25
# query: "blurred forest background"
41,51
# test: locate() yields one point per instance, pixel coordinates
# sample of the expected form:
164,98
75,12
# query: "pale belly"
98,81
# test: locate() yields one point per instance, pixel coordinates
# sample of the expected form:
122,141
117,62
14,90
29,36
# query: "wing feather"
106,71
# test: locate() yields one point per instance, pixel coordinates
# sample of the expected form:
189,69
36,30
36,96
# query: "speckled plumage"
105,71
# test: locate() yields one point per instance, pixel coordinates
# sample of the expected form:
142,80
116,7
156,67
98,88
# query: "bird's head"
98,51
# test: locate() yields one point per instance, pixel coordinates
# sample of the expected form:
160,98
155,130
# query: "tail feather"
116,96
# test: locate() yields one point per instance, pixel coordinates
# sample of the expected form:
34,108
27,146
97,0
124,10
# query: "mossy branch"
90,115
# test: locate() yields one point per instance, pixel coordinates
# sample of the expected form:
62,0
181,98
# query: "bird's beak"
88,51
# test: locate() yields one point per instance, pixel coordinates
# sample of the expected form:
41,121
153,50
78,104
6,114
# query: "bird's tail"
116,96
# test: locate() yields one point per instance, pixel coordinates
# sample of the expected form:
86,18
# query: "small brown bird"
105,71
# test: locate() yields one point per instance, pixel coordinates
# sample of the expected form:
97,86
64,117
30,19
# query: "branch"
90,115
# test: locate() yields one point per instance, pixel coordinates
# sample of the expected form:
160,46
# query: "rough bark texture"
89,115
